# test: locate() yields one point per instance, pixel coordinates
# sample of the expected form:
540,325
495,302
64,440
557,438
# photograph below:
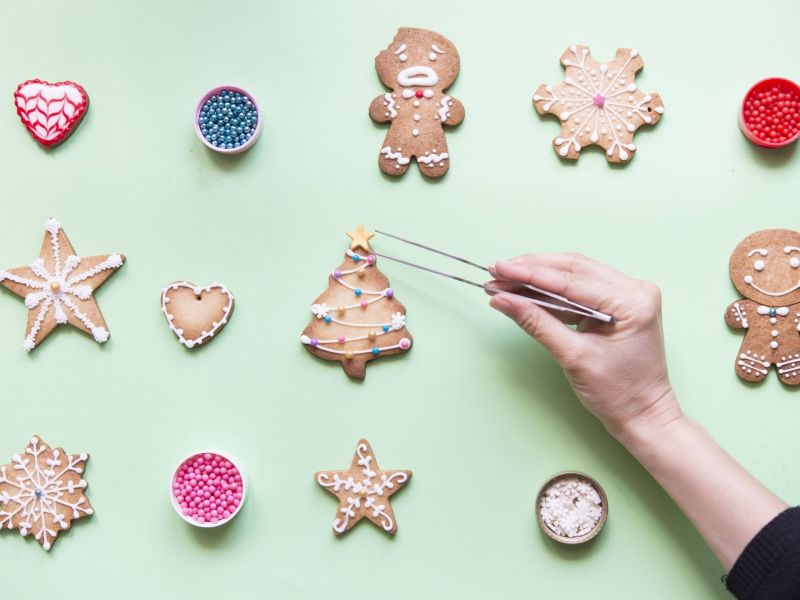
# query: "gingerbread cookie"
418,67
357,319
598,104
765,269
42,492
363,491
196,313
50,111
59,287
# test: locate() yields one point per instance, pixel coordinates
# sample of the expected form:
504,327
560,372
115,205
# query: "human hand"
618,371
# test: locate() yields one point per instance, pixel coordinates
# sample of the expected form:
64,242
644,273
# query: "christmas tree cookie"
58,287
357,319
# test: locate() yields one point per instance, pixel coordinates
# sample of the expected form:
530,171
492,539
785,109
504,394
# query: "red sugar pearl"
198,484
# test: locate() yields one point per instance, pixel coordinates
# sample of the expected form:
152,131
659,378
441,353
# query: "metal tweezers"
560,304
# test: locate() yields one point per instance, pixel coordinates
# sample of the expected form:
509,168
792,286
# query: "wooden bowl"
581,539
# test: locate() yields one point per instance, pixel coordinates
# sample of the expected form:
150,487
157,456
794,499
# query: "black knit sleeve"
769,567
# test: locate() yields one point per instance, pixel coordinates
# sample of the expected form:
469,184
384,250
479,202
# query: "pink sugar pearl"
208,488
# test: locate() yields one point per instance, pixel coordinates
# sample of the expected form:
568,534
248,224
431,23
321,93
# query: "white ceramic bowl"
207,525
204,99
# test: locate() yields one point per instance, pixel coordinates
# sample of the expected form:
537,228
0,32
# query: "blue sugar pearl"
327,319
386,328
772,312
38,493
356,258
358,291
376,351
228,119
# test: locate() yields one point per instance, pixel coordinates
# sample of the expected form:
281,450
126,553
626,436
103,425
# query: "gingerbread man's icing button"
228,119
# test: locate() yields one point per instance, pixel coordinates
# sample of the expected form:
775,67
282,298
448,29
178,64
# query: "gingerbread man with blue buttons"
418,67
765,269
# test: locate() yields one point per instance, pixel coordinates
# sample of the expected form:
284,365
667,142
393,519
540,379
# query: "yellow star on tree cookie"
58,287
42,492
361,238
363,491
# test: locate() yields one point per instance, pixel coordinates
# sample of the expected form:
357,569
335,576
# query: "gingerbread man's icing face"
418,58
765,267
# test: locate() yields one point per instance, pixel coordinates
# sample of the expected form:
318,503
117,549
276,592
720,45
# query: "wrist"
662,414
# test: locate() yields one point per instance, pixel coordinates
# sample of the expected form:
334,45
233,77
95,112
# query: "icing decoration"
58,287
42,492
417,106
367,320
206,312
598,104
363,491
50,111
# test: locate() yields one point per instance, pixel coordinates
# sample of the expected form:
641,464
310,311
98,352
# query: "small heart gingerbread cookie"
196,313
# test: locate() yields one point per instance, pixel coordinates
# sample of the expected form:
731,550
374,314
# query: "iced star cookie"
42,492
765,269
418,67
58,287
363,491
50,111
598,104
196,313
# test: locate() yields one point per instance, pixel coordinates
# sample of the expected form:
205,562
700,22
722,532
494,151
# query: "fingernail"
500,303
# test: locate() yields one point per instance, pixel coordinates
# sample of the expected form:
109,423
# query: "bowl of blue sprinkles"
228,119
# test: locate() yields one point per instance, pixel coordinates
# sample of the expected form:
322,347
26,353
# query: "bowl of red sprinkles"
770,113
208,488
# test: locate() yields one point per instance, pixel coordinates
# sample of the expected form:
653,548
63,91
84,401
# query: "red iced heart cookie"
50,111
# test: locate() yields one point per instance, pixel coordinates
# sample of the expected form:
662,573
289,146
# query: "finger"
515,288
593,292
557,338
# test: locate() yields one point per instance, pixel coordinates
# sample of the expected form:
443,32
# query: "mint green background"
479,411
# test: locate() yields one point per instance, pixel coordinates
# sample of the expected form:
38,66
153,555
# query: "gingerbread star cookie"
42,492
59,287
363,491
598,104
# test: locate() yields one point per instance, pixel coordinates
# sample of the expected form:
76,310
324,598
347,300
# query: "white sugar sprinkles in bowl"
571,508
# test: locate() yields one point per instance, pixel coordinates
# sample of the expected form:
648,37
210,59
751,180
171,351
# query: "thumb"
558,339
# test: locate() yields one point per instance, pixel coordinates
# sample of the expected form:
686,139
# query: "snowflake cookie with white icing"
418,67
765,269
363,491
58,287
42,492
598,104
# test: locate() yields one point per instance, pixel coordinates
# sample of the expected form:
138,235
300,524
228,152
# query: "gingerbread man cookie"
765,269
418,66
598,104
